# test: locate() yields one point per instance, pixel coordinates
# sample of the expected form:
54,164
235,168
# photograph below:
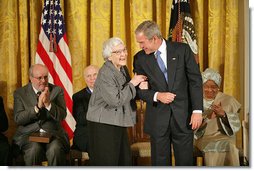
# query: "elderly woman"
112,108
216,136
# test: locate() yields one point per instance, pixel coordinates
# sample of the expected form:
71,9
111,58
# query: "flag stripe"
52,71
45,44
64,47
67,128
64,63
70,119
53,51
58,67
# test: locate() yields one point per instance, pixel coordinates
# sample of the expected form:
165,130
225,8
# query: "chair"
140,142
17,155
198,157
78,158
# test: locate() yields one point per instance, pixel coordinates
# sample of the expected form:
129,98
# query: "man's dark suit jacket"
80,106
4,124
184,80
27,120
4,144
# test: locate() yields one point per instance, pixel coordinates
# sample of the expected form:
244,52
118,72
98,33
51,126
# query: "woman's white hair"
108,46
211,74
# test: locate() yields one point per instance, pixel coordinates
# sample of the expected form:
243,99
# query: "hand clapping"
44,100
218,110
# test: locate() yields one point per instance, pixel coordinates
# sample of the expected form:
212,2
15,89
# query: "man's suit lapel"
171,66
155,69
52,92
31,94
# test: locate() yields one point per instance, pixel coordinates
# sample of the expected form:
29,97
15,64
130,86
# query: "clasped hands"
166,97
140,80
217,111
43,100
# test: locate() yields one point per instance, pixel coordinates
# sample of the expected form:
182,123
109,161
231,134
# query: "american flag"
53,51
182,26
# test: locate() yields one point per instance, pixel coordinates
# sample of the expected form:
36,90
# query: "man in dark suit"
40,107
174,98
80,106
4,144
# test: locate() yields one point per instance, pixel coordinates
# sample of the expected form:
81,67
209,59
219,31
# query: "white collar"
163,47
35,90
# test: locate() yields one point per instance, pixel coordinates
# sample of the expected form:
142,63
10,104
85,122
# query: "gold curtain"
216,23
90,22
217,28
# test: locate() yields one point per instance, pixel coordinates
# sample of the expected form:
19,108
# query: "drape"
90,22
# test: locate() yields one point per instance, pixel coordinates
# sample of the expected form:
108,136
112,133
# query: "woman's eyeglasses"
118,52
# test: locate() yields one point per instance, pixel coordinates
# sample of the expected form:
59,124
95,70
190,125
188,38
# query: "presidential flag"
53,51
182,26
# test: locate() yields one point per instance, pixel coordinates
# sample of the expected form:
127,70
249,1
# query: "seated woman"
216,136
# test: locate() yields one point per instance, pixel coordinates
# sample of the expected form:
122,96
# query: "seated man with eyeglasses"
40,107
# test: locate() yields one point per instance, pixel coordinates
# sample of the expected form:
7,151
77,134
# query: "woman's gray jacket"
112,101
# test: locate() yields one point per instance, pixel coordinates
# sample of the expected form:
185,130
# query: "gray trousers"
53,152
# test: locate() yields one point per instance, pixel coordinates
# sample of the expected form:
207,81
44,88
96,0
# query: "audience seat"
140,142
78,158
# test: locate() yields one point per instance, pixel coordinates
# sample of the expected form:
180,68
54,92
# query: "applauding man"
40,107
